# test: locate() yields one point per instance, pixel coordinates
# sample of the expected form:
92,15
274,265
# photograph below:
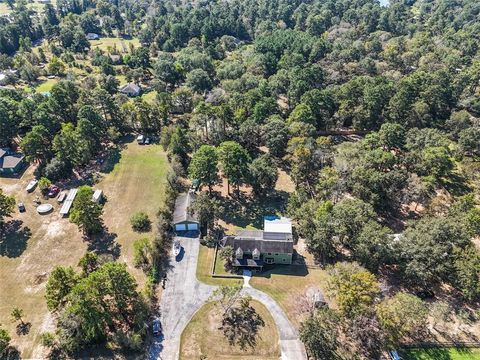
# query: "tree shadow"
14,238
104,244
456,184
11,353
111,159
23,328
244,210
287,270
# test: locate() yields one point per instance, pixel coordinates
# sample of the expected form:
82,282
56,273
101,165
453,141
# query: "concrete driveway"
184,295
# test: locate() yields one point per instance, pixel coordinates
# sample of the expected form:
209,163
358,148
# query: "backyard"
202,338
132,180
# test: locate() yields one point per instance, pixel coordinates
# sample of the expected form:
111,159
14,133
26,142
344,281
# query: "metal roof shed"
68,202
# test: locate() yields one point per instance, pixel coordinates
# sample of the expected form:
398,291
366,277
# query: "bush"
142,253
57,169
140,222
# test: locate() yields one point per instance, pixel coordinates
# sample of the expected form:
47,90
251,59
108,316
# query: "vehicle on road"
21,207
176,248
32,185
53,191
156,327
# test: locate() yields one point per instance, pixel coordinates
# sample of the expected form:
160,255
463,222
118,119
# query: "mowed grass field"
122,45
135,181
441,354
202,338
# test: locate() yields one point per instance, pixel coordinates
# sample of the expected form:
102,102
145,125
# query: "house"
183,219
92,36
115,59
11,163
130,89
255,248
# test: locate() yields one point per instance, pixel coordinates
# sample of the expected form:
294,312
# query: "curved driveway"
184,295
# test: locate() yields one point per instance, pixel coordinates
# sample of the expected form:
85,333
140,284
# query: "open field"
133,180
204,267
36,6
31,248
202,339
441,354
136,183
122,45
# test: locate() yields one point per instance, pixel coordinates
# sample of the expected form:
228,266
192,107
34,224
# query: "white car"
32,185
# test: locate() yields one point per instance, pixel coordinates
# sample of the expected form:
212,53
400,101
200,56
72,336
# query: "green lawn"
441,354
46,86
204,268
286,282
202,338
149,97
121,45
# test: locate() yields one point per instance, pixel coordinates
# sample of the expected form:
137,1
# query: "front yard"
202,338
441,354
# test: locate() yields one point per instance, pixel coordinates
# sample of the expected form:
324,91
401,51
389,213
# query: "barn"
183,218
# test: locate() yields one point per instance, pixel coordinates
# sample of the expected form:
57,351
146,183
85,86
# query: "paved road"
184,295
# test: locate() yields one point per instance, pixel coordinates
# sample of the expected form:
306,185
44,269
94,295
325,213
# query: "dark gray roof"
248,262
249,244
130,89
10,161
182,204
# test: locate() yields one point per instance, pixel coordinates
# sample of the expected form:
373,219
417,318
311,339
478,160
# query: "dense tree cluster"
100,304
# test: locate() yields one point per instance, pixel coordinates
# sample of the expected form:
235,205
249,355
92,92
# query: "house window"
269,253
276,254
284,259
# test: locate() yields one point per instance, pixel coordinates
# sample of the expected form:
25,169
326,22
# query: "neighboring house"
92,36
8,77
255,248
130,89
11,163
116,59
183,219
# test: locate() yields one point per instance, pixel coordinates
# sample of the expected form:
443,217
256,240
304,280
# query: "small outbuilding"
11,163
97,196
92,36
183,218
131,90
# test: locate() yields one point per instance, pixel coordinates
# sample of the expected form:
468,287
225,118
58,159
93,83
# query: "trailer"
67,204
97,196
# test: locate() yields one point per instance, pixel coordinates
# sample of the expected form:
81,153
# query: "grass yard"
204,268
136,183
46,85
202,339
32,246
441,354
286,283
106,43
149,97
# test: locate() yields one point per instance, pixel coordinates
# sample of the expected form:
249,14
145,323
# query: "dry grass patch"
33,246
202,337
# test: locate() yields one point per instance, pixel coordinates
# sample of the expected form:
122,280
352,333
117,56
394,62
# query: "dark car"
53,191
156,327
21,207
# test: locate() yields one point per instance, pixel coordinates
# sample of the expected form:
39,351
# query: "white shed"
97,196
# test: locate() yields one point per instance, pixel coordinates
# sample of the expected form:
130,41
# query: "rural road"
184,295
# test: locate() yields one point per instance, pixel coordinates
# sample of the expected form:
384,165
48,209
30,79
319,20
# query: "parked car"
156,327
53,191
147,141
21,207
32,185
61,197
